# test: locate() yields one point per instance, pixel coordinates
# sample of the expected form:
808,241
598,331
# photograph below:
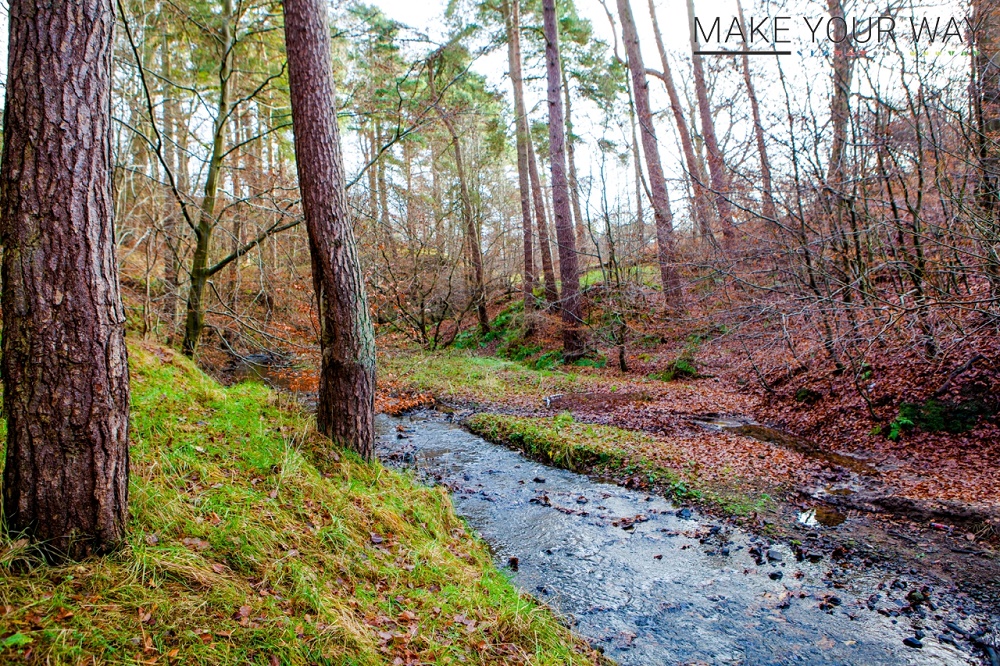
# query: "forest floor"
250,543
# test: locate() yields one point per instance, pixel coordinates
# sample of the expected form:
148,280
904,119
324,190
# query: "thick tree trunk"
346,409
572,316
758,130
696,172
512,17
544,246
716,164
65,371
662,214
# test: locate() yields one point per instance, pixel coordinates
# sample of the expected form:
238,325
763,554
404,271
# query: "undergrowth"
250,542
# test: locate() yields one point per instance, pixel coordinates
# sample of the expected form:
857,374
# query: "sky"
806,69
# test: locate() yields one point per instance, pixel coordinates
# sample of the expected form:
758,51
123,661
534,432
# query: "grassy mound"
250,543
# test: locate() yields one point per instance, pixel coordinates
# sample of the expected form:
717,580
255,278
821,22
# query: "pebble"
539,479
774,555
912,642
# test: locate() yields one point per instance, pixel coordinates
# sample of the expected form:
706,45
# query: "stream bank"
898,554
649,582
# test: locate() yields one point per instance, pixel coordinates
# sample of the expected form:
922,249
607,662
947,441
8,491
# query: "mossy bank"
249,542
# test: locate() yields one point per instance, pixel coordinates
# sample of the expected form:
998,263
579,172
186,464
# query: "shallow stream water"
649,583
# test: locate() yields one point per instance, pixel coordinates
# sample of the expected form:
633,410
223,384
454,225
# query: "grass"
634,458
459,375
250,542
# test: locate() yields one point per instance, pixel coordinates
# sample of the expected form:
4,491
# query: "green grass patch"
624,455
458,375
251,542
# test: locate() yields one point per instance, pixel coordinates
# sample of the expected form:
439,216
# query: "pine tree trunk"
986,103
544,246
716,164
346,409
65,371
572,315
758,130
574,185
662,214
696,172
512,17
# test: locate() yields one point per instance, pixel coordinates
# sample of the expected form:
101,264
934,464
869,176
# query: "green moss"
613,452
251,542
937,415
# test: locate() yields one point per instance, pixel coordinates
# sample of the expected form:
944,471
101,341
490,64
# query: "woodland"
245,240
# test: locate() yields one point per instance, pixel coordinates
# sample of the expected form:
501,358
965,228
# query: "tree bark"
716,165
758,129
986,103
573,339
512,18
472,236
574,185
843,71
696,172
195,319
171,228
65,369
346,409
544,246
660,198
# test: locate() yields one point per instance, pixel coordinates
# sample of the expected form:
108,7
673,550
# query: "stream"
649,583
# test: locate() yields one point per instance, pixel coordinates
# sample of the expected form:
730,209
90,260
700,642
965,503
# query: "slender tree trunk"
65,371
472,236
512,17
385,221
716,164
346,409
840,113
758,129
171,228
195,320
544,246
572,315
696,172
657,182
986,104
640,216
574,186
